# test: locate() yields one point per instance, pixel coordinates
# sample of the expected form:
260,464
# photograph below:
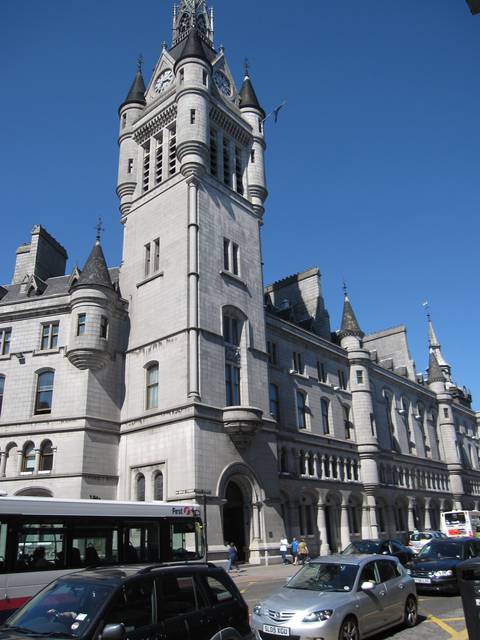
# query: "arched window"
158,486
44,393
46,456
301,411
140,487
325,416
152,386
2,387
28,457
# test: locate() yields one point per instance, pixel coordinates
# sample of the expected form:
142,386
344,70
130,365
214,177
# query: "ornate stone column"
344,526
322,529
411,518
428,520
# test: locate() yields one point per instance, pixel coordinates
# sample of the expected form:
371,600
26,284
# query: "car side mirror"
384,553
367,586
113,632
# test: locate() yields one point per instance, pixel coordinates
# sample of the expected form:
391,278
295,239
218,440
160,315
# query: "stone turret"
255,116
128,171
434,347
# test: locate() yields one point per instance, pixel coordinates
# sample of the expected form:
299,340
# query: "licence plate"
280,631
423,580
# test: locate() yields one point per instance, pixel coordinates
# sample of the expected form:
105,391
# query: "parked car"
418,539
339,596
435,567
179,602
385,547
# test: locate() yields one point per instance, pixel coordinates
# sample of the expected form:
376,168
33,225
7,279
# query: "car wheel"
411,613
349,630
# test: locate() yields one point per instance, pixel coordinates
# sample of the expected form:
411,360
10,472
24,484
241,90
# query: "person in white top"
283,549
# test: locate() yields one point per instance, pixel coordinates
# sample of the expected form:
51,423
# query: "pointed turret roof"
435,373
95,272
193,47
137,91
248,97
350,326
434,344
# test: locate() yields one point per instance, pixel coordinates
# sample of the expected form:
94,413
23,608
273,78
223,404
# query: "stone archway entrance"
234,524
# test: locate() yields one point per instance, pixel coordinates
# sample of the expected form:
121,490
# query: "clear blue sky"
373,168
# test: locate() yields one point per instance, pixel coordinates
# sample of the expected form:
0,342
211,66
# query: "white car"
419,539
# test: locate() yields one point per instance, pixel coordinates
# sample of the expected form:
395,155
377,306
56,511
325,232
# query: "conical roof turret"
136,95
435,373
194,47
248,97
95,272
434,344
350,326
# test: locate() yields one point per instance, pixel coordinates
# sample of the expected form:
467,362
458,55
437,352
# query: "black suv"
179,602
385,547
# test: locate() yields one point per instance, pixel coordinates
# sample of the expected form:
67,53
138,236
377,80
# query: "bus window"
93,547
186,540
3,545
40,547
142,543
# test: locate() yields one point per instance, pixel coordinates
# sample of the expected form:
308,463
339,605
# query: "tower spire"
350,326
192,14
434,344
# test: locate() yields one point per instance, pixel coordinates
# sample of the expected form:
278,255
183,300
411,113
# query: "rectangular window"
192,116
239,170
5,337
159,160
445,412
272,352
204,78
213,153
230,256
274,402
226,254
148,259
359,375
297,362
156,254
172,152
325,416
252,155
81,323
130,165
104,327
146,167
301,411
342,381
231,330
49,338
44,394
124,120
232,385
321,372
227,178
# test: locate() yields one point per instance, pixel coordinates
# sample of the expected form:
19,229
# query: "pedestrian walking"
232,555
294,550
283,549
302,551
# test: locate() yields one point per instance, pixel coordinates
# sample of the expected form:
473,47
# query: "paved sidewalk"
260,573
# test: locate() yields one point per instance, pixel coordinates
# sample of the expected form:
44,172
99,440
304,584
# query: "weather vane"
345,288
426,306
246,64
139,62
99,228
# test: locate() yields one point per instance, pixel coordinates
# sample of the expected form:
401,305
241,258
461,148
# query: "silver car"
418,539
339,598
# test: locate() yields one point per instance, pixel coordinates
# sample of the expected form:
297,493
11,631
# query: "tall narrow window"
272,352
130,165
156,254
2,389
49,338
158,486
227,178
297,362
172,152
325,416
274,402
104,327
81,323
152,386
226,254
231,256
391,426
321,372
159,160
347,423
235,258
192,116
124,120
28,458
252,156
231,330
44,393
342,380
46,456
239,170
140,487
359,376
301,410
213,153
232,384
146,166
148,259
5,337
182,75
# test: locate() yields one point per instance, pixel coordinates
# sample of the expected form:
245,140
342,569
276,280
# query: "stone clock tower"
191,184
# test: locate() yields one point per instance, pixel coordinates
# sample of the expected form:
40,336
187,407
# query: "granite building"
178,375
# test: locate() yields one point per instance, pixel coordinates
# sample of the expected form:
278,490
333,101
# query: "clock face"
223,83
163,80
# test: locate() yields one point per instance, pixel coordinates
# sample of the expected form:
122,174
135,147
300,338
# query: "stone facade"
179,376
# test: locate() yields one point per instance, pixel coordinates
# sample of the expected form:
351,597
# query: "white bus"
460,523
42,538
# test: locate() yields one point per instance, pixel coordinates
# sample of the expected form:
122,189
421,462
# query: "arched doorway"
234,519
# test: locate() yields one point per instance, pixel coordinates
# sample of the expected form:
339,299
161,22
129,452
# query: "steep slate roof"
350,326
95,272
248,97
435,373
193,46
137,91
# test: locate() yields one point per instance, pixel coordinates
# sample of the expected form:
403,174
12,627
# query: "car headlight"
409,571
257,609
443,574
318,616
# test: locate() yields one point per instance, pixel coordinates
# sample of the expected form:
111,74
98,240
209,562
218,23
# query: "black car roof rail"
164,565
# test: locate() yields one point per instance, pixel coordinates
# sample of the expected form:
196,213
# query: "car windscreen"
455,517
325,576
417,537
64,609
362,546
437,549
